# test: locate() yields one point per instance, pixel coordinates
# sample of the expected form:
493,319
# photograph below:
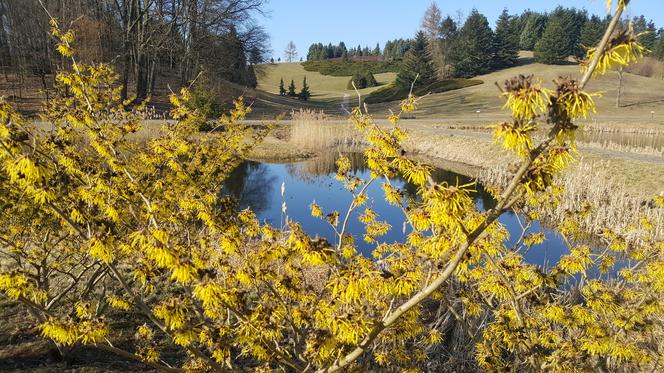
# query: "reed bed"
610,145
315,130
590,182
620,127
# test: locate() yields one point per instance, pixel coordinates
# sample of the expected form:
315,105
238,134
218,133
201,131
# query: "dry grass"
625,148
643,128
592,182
314,130
649,67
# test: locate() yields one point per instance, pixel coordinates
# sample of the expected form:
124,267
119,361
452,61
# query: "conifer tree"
646,31
304,93
658,51
376,51
473,51
592,32
448,34
282,90
291,89
506,43
417,61
533,29
552,47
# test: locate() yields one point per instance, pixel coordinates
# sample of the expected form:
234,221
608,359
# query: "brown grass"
593,182
314,130
649,67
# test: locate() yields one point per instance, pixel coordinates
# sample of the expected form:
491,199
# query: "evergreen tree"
362,80
506,41
448,34
532,30
658,51
592,32
646,31
571,21
282,90
417,61
553,46
251,80
473,51
291,89
234,61
304,92
376,51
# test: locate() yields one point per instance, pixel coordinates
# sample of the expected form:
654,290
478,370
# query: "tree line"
394,49
471,48
142,39
320,51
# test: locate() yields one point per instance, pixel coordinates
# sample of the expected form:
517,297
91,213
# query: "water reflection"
258,186
252,184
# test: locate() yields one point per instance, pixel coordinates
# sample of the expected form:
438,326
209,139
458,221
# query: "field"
642,98
330,89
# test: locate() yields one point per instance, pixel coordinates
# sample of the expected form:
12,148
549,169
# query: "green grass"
339,68
392,93
323,87
641,95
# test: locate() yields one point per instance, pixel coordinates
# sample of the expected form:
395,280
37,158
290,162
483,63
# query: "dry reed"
590,182
315,130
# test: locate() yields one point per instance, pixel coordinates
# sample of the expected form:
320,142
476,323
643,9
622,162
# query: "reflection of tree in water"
324,165
251,184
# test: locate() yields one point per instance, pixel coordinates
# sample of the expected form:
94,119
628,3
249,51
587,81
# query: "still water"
258,186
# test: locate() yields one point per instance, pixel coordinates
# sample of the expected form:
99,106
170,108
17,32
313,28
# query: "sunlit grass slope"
323,87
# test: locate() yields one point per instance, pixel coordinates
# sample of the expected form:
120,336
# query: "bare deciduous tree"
290,54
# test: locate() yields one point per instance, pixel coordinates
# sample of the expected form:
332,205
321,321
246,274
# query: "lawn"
323,87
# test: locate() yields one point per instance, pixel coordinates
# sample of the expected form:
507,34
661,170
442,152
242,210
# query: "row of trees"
141,38
319,51
393,50
304,94
475,48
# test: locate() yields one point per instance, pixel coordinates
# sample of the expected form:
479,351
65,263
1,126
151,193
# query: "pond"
258,186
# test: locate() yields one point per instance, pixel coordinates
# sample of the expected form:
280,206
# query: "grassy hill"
324,88
641,95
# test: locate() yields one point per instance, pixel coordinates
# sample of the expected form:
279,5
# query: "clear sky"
367,22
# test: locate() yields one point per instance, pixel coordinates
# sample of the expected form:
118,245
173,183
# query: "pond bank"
616,184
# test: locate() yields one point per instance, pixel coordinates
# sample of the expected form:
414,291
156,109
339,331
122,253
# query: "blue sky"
367,22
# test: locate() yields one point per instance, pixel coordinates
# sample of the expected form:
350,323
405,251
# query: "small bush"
362,80
206,102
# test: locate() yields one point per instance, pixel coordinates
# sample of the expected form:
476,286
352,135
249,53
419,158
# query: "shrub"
362,80
205,102
103,238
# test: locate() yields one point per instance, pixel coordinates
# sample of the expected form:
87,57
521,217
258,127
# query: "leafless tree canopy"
142,38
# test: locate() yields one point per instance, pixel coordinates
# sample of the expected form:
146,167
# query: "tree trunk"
620,87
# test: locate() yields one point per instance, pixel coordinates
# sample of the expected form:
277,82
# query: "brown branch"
131,356
508,198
